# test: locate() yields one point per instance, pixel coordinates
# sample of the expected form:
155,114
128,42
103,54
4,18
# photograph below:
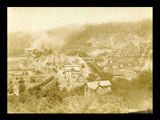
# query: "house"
97,87
72,73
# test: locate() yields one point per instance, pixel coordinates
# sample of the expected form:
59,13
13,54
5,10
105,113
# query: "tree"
32,79
10,89
25,73
21,80
50,51
53,94
89,44
22,88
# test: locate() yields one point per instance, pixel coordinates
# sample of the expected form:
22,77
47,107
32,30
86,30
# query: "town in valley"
97,68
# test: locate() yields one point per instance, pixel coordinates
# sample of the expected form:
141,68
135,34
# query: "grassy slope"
136,94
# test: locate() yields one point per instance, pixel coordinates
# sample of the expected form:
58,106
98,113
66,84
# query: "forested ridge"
85,36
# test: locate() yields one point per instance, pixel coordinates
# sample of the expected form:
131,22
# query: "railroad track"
93,65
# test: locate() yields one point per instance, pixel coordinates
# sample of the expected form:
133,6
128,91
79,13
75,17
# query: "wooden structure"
97,87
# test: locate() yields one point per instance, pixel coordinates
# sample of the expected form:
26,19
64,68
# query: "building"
72,71
74,59
75,67
97,87
72,74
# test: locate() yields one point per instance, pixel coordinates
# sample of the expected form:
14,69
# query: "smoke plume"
48,42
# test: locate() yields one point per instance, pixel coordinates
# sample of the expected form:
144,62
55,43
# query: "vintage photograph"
80,60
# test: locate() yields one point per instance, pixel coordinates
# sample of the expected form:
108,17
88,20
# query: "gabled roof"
72,69
80,75
105,83
94,85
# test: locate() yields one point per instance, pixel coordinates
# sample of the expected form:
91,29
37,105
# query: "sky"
45,18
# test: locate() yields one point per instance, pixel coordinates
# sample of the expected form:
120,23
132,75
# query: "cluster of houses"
74,73
72,69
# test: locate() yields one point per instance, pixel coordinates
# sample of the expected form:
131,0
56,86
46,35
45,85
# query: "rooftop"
73,65
96,84
74,69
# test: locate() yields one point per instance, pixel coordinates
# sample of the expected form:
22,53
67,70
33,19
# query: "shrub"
21,80
143,82
22,88
32,79
53,96
10,89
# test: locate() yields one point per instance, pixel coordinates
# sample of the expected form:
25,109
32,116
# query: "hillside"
109,35
88,38
17,41
64,32
53,38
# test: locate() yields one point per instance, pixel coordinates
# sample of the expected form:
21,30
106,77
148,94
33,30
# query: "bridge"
44,83
92,64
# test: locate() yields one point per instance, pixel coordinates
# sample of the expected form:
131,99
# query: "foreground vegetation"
135,94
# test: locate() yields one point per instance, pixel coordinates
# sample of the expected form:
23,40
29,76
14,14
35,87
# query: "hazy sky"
44,18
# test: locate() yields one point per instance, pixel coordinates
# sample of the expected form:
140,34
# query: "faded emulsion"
80,60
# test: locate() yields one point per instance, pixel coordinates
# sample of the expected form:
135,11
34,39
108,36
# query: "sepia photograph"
80,60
